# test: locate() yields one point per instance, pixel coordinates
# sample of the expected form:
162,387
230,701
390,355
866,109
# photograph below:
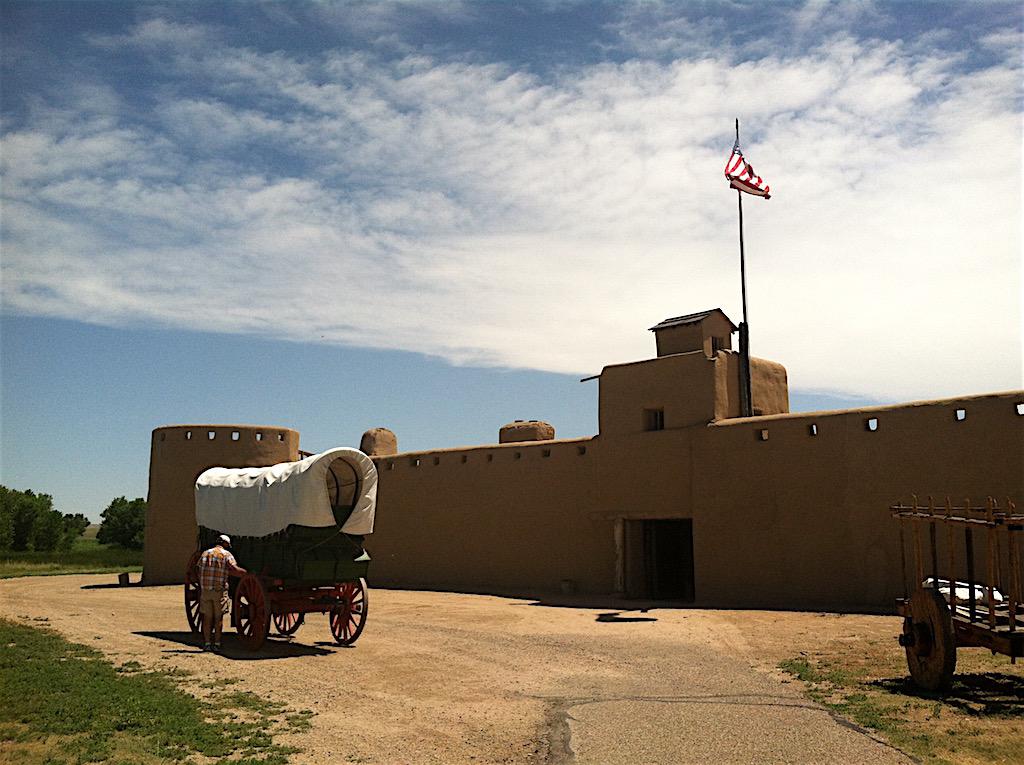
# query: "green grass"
979,720
87,556
62,703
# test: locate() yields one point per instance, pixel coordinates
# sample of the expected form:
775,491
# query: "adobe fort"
676,498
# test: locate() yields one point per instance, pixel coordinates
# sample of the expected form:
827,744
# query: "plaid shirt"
213,569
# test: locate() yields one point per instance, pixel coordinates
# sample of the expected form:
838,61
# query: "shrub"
124,523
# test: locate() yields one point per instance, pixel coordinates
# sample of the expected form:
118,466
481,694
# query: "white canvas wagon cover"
255,502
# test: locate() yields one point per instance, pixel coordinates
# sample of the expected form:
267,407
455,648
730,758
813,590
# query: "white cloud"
490,216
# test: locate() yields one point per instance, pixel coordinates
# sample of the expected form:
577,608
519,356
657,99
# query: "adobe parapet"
178,454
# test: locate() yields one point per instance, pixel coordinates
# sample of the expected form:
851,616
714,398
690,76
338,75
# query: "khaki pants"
213,605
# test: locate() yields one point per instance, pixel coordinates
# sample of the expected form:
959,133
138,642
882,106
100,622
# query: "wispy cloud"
486,214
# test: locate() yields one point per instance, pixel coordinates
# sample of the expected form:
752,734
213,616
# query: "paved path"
447,678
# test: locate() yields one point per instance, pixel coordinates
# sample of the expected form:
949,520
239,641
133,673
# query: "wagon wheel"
192,590
252,615
349,616
289,623
929,641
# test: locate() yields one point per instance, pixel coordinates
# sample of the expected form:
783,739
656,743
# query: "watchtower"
178,455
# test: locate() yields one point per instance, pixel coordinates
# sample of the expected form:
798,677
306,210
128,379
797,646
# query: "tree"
124,523
6,518
27,518
28,507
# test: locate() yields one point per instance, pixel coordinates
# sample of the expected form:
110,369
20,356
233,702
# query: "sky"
439,216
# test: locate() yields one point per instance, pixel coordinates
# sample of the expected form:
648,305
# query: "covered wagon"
297,528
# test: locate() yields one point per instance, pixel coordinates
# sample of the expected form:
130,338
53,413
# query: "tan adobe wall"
697,336
488,519
179,453
691,389
769,386
525,430
682,385
781,518
814,528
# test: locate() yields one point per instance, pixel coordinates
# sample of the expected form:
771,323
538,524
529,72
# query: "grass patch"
87,556
980,719
61,702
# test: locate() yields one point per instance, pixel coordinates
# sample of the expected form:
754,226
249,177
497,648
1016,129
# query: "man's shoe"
207,646
216,647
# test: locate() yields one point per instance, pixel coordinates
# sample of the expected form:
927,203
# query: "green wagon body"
299,555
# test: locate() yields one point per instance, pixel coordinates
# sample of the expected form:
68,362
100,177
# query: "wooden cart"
300,568
949,602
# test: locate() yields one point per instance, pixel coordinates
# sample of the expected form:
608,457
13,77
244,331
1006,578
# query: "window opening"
654,419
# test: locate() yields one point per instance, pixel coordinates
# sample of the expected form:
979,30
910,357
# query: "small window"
437,460
1020,408
812,429
545,453
871,424
391,466
490,458
518,455
259,436
188,435
464,459
961,415
415,462
654,419
581,450
716,345
280,436
163,436
235,435
763,434
211,434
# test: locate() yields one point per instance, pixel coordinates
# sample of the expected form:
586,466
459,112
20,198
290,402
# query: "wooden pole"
746,396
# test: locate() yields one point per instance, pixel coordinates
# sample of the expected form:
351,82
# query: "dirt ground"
451,678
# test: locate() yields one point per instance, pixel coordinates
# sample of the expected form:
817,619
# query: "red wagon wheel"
349,616
252,615
192,590
288,624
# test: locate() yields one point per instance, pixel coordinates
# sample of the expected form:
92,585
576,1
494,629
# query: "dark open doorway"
659,559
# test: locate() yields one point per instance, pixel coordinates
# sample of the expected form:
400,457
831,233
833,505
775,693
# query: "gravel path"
449,678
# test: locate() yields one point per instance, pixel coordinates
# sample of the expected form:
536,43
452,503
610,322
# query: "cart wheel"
192,590
252,616
929,641
349,616
288,624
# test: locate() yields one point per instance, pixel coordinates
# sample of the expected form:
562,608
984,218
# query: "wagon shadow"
980,694
272,649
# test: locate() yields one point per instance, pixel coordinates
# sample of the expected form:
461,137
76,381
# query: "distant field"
86,557
91,531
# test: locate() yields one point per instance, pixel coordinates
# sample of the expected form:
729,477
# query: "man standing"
214,567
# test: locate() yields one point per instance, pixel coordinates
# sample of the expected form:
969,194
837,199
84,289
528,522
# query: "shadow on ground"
110,585
616,617
982,694
272,649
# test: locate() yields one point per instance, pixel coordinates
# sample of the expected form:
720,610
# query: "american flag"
741,175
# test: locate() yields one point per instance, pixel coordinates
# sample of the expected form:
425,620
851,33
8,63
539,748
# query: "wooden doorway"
659,559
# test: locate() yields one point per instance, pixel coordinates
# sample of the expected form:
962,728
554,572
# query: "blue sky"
438,216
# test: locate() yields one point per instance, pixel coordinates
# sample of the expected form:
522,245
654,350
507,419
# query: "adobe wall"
179,453
794,521
803,516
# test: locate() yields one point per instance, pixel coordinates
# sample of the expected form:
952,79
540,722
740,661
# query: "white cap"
225,539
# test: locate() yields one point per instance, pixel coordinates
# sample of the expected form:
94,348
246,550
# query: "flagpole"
746,397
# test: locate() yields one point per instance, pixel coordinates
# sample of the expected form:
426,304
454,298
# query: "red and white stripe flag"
741,175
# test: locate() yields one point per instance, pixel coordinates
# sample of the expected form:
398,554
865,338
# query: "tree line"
28,521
